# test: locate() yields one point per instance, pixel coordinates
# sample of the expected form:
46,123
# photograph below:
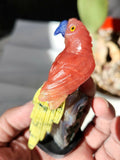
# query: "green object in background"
92,13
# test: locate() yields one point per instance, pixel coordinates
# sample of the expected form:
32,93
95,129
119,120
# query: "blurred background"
28,46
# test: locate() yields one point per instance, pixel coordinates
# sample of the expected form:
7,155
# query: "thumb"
14,121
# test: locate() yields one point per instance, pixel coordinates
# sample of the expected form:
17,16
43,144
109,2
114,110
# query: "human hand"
14,132
101,137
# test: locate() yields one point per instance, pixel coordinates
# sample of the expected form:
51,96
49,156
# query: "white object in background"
56,42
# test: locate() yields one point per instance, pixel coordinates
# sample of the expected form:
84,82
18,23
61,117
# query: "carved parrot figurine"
72,67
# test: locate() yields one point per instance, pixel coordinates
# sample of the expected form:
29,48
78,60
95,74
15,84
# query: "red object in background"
111,23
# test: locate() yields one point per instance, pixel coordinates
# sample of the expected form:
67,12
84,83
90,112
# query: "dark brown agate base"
66,136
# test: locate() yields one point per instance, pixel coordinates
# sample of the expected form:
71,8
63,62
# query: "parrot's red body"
72,67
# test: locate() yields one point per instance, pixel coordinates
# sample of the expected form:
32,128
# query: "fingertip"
115,128
19,117
102,108
26,108
30,104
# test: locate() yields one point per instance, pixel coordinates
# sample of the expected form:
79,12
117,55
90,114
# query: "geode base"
49,146
65,136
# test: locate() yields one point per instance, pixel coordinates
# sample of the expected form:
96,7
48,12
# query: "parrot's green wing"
42,120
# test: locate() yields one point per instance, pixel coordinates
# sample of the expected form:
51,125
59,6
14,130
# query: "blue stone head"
61,28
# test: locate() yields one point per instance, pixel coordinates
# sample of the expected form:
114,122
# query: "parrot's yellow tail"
42,120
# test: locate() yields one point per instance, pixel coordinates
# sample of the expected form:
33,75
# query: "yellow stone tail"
42,119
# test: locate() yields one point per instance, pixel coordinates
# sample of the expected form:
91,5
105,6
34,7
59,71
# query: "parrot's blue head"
61,28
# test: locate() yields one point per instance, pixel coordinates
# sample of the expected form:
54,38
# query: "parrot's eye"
72,28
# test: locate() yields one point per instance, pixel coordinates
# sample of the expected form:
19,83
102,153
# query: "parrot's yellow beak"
61,28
